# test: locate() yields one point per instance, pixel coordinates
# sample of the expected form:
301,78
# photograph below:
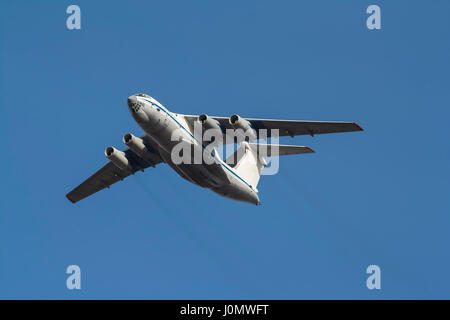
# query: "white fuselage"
160,124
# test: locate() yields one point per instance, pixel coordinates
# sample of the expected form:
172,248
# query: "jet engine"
136,145
238,123
209,123
118,158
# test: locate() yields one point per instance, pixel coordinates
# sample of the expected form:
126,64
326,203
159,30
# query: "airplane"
235,179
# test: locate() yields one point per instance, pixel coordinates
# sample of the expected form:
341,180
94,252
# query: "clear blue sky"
375,197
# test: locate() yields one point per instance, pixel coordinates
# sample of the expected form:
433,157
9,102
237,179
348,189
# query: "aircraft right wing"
110,174
288,127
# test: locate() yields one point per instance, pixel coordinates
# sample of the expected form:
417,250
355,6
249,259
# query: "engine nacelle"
238,123
209,123
212,129
138,147
118,158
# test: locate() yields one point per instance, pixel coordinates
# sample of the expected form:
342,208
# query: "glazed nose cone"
131,100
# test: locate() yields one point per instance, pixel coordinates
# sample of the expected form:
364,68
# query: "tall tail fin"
251,160
250,165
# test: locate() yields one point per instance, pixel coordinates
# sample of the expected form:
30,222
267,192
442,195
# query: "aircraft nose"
137,109
131,100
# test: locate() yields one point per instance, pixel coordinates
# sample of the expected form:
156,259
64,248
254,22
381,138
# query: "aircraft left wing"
110,174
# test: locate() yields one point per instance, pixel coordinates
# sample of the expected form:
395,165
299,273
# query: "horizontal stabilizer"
271,150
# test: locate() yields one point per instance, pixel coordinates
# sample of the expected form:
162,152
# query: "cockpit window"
143,95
